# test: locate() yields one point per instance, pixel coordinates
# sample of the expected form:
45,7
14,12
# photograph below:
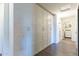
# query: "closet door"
44,27
39,28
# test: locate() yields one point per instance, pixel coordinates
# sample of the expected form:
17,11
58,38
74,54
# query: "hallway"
29,28
64,48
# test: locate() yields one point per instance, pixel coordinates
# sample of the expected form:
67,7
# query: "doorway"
66,27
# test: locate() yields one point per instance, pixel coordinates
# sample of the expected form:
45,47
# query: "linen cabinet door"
39,18
45,29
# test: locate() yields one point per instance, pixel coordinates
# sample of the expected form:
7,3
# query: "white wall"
11,29
1,25
6,30
58,36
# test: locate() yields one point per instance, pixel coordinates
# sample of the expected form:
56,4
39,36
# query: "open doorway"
68,32
66,27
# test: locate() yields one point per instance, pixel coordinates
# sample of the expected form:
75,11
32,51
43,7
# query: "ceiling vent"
65,8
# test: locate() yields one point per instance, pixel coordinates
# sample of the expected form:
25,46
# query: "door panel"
44,26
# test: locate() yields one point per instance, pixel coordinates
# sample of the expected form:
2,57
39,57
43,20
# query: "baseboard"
45,48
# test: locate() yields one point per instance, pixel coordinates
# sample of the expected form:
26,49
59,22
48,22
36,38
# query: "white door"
44,28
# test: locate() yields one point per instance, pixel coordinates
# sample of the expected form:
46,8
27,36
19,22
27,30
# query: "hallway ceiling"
54,7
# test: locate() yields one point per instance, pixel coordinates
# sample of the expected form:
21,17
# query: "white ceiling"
54,7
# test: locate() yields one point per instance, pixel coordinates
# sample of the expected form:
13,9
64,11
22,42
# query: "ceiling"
54,7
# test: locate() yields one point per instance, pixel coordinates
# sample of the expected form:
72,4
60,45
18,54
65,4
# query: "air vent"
65,8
